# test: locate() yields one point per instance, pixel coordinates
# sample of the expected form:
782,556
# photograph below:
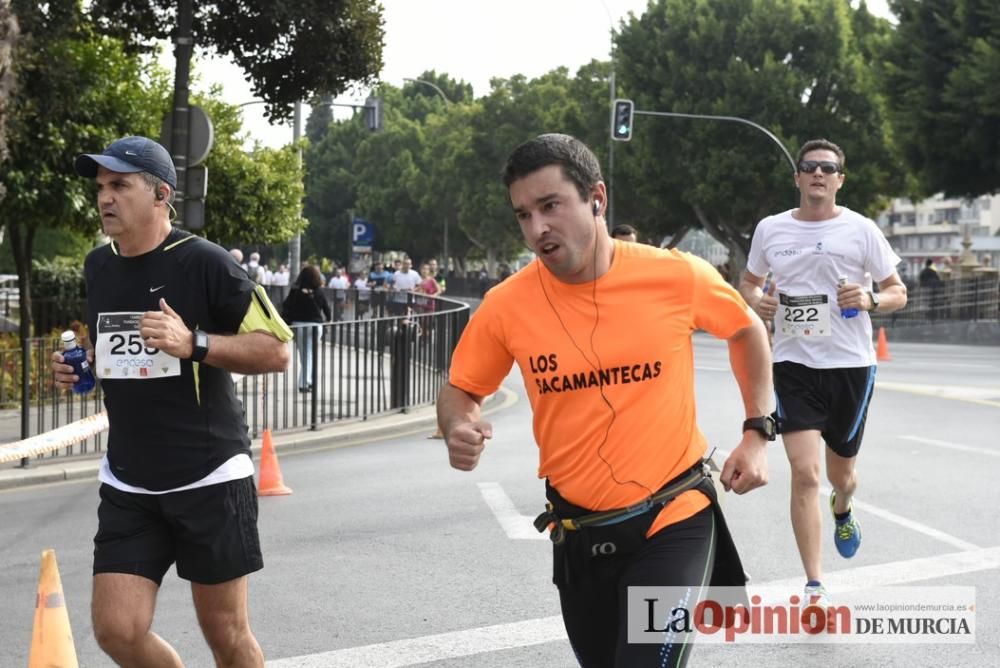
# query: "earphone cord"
596,368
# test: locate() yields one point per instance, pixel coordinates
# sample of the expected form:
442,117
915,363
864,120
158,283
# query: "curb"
340,436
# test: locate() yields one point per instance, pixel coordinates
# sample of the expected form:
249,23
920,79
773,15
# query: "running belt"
674,488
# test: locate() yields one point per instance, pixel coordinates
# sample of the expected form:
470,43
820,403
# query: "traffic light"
621,120
373,114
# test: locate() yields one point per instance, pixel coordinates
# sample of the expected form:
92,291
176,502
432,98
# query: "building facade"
934,228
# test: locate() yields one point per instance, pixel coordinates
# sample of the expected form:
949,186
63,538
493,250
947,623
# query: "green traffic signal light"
621,120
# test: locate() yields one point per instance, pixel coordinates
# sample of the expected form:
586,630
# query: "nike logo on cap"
132,153
159,288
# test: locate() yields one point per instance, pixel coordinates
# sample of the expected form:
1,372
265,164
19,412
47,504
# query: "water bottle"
847,312
76,356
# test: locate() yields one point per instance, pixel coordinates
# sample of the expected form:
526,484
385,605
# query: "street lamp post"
447,102
611,142
734,119
432,85
295,243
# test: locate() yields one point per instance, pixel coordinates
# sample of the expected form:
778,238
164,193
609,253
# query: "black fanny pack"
580,536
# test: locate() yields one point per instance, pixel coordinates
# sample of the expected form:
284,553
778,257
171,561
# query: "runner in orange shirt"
601,331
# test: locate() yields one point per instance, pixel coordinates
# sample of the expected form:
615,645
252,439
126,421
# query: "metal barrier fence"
974,299
380,363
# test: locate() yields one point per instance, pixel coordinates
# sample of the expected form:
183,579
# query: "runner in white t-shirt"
824,365
403,281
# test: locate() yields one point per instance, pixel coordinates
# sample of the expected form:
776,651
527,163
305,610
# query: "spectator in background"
280,277
379,277
364,294
428,285
254,269
238,256
930,289
625,233
403,281
340,284
438,275
505,271
929,278
306,309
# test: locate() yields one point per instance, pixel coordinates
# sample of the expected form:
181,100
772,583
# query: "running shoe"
815,595
847,532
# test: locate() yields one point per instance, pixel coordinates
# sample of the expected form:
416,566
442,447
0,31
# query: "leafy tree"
792,66
8,37
940,70
319,118
331,188
290,49
389,165
68,99
255,197
438,163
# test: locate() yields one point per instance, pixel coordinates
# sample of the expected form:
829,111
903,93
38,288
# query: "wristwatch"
764,424
873,297
199,351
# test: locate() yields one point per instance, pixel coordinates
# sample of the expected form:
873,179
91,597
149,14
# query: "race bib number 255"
121,353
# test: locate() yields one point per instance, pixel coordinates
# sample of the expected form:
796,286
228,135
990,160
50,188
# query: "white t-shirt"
806,259
339,282
361,285
405,281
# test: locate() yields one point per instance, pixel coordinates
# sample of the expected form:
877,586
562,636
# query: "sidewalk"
420,422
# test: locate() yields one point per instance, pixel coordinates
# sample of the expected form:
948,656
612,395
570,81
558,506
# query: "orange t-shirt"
634,345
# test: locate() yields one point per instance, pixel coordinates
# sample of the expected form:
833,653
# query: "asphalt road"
384,556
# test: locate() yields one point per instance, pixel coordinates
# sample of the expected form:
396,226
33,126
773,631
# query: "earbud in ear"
159,195
597,207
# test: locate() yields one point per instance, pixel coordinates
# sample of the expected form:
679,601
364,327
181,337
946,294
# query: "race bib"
803,315
121,353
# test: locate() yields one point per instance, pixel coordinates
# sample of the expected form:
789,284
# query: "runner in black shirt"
170,315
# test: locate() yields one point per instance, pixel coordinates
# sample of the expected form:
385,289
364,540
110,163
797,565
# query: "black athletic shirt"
169,432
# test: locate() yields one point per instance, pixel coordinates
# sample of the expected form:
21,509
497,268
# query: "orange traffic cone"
882,353
51,638
271,483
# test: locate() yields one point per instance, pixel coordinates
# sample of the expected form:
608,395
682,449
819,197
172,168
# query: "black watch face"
765,425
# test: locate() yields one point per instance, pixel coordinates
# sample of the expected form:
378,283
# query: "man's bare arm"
750,358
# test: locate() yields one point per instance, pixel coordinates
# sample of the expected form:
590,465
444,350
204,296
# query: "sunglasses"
826,166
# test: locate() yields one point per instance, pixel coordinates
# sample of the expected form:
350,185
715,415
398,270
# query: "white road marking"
953,446
889,516
514,524
413,651
985,396
902,572
499,637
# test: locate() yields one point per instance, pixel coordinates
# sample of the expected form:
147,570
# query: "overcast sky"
468,40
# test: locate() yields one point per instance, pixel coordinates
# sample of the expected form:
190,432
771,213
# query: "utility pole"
295,245
445,261
183,48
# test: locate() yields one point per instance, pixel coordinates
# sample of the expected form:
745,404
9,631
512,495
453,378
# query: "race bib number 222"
803,315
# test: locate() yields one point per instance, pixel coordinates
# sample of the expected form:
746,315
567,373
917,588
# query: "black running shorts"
833,401
211,532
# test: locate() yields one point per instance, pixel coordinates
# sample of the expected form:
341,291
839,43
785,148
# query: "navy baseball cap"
128,155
